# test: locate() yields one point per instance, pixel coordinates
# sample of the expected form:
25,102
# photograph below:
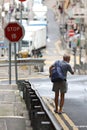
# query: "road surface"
75,101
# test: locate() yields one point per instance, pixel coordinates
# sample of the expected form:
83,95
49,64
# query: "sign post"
21,10
14,32
21,19
9,63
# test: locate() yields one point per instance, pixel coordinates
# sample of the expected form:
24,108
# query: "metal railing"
39,62
38,113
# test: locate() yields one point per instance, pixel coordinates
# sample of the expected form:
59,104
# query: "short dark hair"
66,56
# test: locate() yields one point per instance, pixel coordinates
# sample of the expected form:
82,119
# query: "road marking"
61,122
50,104
70,122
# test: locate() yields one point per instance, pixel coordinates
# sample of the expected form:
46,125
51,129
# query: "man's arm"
72,72
70,69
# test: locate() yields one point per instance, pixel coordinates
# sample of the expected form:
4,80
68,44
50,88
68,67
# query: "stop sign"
14,32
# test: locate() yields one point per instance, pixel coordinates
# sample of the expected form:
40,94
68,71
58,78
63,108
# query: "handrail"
25,61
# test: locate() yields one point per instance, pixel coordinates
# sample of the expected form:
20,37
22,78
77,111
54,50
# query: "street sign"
14,32
71,33
22,0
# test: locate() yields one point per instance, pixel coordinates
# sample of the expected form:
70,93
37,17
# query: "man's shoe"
60,112
55,111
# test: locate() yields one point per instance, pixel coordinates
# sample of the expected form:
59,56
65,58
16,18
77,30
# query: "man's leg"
56,101
62,95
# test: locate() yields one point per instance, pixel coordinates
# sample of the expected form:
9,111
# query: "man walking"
60,87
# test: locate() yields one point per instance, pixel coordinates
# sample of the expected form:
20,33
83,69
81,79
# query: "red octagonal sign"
14,32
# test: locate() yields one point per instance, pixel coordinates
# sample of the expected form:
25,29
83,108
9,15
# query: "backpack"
57,73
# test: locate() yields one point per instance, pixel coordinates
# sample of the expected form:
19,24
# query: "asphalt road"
75,101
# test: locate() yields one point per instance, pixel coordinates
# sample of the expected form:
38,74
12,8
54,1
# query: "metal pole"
85,32
74,53
80,55
19,48
9,63
21,14
80,49
63,22
63,19
75,62
16,75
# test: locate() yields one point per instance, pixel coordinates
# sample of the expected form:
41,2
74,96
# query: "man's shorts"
60,86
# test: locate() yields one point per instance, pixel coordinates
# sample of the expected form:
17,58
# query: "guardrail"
39,62
38,113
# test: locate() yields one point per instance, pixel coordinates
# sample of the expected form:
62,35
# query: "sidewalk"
13,112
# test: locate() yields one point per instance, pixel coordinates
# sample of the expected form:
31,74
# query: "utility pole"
21,8
85,23
80,48
74,54
20,42
62,20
